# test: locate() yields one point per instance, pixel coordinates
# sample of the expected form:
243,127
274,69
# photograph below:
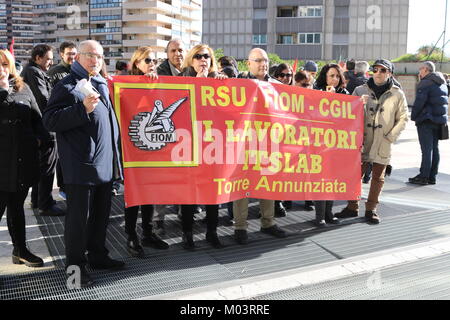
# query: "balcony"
157,5
106,30
145,42
73,33
147,30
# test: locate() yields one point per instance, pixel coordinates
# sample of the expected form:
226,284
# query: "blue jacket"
88,144
431,100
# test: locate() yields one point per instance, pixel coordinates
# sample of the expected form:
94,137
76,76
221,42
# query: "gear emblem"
151,131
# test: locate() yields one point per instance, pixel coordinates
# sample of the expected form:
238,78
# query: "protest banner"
204,141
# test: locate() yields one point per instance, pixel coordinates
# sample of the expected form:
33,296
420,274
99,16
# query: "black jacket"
39,83
431,100
58,72
88,144
164,69
20,128
356,80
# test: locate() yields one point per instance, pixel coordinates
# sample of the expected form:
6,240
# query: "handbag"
443,132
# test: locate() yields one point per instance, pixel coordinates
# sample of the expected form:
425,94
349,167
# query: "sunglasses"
199,56
148,61
376,70
304,85
282,75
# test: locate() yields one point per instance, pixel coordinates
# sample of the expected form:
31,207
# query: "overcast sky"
426,23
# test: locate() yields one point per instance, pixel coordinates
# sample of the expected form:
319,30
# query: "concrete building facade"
16,21
308,29
121,26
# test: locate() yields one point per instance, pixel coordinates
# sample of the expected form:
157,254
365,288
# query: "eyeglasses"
148,60
91,55
382,70
199,56
259,60
282,75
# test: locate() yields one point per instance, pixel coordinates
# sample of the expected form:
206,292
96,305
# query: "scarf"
379,90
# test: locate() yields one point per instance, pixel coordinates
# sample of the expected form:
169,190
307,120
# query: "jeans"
429,144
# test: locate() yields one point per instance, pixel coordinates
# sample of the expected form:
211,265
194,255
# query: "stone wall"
409,83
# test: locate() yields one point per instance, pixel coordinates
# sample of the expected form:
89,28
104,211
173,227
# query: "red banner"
204,141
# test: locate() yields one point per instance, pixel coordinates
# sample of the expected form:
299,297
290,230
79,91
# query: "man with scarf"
385,117
429,112
88,138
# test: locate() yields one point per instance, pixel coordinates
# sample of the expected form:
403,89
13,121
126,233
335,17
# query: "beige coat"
384,120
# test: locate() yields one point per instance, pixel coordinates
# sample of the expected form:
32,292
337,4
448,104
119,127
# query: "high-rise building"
121,26
308,29
16,22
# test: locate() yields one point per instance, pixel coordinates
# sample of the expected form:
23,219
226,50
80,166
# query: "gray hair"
430,66
86,43
361,67
172,41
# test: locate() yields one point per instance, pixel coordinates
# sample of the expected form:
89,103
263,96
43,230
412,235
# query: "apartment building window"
259,39
286,39
309,38
287,12
310,11
108,17
259,14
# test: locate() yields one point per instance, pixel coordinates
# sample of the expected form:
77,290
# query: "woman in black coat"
200,62
330,79
143,62
21,131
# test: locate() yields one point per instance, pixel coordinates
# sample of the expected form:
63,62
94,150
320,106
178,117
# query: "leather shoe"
330,218
431,180
372,217
308,205
287,204
85,279
320,223
188,241
107,263
418,180
23,256
241,236
280,211
275,231
213,239
155,241
134,248
53,211
346,213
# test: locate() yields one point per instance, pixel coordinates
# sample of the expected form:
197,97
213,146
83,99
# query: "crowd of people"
49,127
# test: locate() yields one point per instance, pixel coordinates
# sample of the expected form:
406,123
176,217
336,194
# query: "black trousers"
187,217
59,176
131,215
42,191
13,202
88,209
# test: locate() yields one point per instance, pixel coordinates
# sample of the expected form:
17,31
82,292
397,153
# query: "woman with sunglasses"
143,62
21,131
283,73
200,62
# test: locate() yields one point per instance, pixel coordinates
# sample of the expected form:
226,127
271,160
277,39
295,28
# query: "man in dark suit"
88,137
